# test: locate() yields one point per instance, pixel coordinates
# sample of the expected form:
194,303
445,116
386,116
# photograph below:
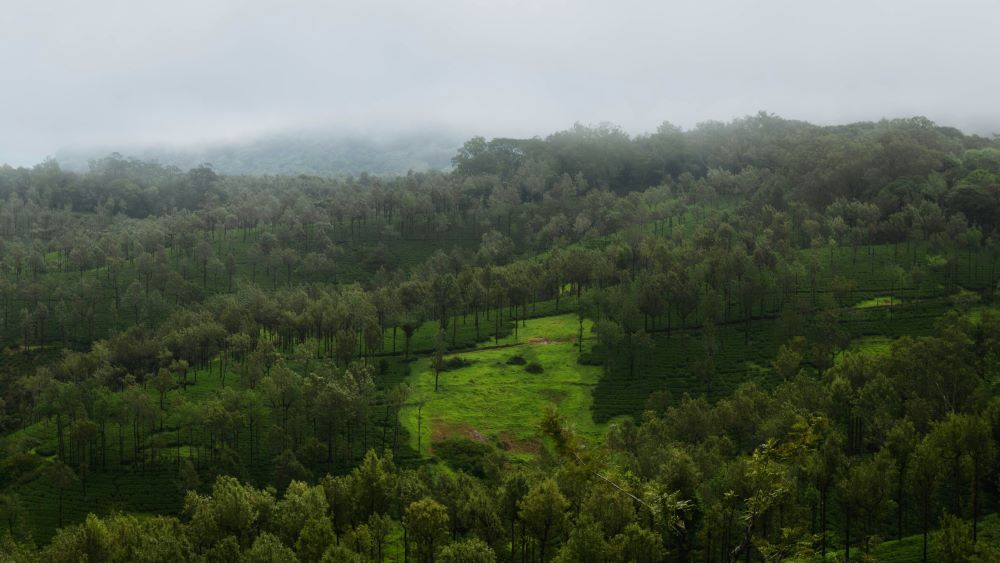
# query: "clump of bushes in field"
20,464
516,361
534,367
473,457
455,362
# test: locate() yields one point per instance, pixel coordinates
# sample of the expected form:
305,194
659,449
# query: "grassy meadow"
492,397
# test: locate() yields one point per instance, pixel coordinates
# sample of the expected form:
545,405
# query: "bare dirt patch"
555,395
511,443
541,340
441,430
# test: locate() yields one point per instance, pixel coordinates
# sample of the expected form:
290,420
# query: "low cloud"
78,74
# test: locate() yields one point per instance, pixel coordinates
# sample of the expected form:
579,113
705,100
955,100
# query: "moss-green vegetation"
697,362
910,548
869,345
882,301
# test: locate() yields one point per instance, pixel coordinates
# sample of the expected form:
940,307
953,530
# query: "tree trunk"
975,498
847,536
822,523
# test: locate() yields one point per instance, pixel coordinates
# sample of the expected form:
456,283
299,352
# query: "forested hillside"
757,340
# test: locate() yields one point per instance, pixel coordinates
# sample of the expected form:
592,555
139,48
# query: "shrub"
517,361
534,367
18,465
467,455
456,362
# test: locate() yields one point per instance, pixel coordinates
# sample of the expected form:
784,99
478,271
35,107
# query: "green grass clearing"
492,400
868,345
879,301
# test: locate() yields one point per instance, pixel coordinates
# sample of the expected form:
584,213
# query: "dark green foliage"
517,361
455,362
472,457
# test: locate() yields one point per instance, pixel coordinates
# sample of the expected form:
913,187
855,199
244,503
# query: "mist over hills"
292,153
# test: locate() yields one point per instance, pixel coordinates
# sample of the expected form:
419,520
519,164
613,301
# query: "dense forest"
758,340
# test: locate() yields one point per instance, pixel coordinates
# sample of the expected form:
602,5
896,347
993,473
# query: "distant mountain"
315,153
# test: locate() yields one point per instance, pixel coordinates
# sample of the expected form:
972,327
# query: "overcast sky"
77,74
